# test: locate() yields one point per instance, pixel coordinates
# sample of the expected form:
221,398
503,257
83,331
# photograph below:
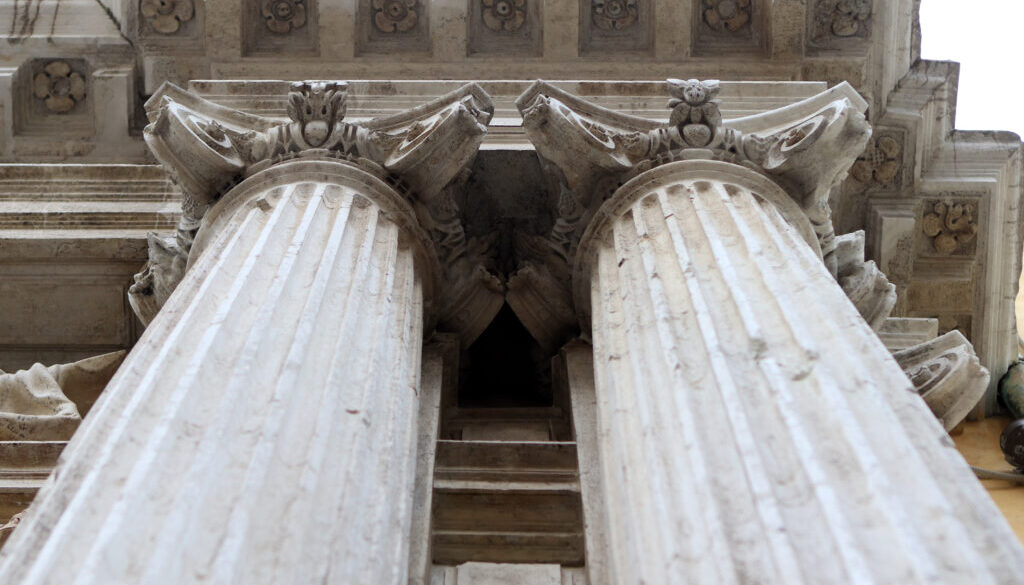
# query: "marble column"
264,429
752,428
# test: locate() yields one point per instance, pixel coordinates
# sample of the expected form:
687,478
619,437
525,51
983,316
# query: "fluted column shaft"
263,430
752,428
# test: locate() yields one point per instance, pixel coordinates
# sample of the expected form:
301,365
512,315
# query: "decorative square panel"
729,26
52,98
512,27
387,26
616,25
882,165
834,23
169,22
949,226
279,27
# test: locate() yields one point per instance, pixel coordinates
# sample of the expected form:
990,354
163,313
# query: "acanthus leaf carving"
947,374
596,150
421,152
867,287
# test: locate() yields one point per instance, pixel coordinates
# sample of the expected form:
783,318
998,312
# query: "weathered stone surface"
946,372
295,333
41,403
719,328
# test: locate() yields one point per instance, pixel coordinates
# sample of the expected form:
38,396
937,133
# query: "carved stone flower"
850,17
950,225
614,14
880,162
395,15
166,16
726,15
504,15
284,15
59,87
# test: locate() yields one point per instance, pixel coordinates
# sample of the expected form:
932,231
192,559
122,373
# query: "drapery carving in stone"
35,403
867,287
947,374
422,152
590,151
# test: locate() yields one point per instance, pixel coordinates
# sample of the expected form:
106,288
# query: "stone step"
507,501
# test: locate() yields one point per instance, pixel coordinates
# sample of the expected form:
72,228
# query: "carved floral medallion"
504,15
167,16
950,225
881,162
282,16
726,15
841,19
59,87
392,16
614,14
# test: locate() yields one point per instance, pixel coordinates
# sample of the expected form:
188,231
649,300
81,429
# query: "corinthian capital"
589,151
422,153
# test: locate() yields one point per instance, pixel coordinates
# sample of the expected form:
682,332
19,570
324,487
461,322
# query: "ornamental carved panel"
505,26
275,26
616,25
168,22
881,166
52,98
386,26
949,227
728,25
836,22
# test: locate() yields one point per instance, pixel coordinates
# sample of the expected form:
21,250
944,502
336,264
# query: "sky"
985,36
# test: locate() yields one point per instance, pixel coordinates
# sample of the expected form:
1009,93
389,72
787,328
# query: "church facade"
496,291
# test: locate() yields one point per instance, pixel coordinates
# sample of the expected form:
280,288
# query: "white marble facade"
757,311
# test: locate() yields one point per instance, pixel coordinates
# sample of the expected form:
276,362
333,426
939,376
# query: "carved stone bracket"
422,153
590,151
947,374
862,281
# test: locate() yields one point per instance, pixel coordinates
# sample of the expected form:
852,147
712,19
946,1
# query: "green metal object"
1011,390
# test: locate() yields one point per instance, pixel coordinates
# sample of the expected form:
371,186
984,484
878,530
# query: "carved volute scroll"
589,152
421,153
